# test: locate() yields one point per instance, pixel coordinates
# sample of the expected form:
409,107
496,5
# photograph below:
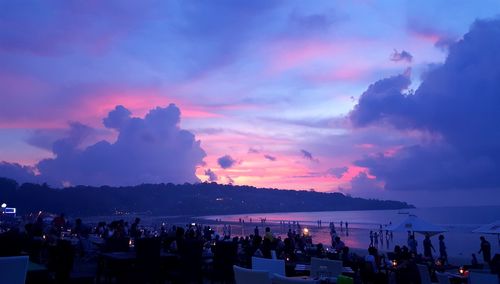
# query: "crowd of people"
296,246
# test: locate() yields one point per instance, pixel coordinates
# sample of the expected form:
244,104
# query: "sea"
459,223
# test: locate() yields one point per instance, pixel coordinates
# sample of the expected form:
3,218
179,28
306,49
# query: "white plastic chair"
442,278
483,278
250,276
333,268
271,265
13,269
279,279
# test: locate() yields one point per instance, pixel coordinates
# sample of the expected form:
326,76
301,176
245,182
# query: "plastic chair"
13,269
250,276
270,265
279,279
325,267
483,278
442,278
425,276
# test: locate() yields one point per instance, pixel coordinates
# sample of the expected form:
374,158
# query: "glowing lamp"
306,231
4,205
394,263
461,270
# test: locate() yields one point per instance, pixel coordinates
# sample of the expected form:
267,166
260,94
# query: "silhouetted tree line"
178,199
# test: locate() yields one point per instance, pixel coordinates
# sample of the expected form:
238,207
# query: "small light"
4,205
306,231
394,263
461,270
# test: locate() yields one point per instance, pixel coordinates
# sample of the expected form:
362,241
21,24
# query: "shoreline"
319,235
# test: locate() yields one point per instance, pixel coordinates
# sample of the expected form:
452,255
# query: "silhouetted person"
256,231
443,255
134,229
428,246
485,249
80,229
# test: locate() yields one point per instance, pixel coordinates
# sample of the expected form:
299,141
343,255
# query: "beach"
459,223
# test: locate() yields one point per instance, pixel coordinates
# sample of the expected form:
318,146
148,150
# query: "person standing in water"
443,255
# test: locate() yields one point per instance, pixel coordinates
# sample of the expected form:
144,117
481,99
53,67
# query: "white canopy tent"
492,228
416,225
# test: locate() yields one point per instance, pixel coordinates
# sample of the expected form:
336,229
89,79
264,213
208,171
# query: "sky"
376,99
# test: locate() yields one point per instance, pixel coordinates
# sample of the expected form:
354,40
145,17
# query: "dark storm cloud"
457,103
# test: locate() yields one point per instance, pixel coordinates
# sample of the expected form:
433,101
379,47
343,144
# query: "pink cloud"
341,74
365,146
290,54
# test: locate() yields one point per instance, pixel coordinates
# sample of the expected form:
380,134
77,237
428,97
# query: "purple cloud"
253,151
337,172
456,104
270,158
383,101
152,149
306,154
401,56
117,118
226,162
17,172
212,176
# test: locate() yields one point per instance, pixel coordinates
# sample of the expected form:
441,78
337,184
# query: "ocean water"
458,221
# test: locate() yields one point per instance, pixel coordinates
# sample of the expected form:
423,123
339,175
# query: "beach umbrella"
416,225
492,228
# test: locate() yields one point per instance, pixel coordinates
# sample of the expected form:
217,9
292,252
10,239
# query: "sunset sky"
380,99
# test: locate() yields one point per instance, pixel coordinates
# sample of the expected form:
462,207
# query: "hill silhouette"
184,199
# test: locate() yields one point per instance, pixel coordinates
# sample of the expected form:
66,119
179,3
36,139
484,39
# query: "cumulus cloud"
152,149
457,102
226,161
212,176
383,101
401,56
18,172
117,118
